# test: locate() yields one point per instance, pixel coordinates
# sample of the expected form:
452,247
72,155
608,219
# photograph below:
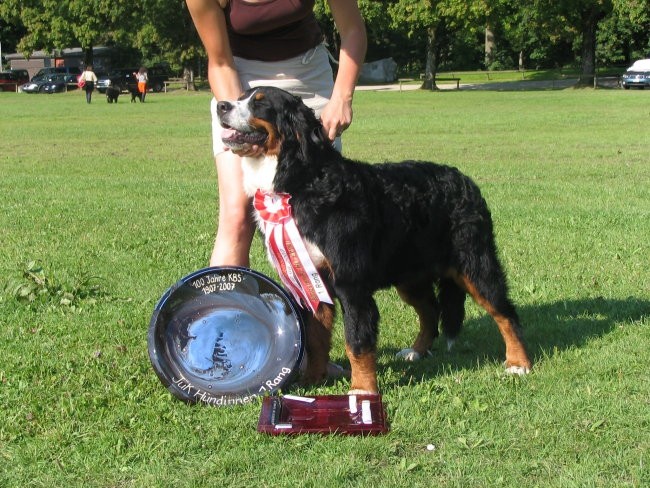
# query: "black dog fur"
419,226
135,93
112,94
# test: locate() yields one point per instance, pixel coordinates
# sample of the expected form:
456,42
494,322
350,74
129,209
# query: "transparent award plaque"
326,414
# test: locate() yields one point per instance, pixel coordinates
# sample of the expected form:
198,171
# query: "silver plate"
225,336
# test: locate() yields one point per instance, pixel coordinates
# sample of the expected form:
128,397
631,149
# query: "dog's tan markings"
319,342
428,315
516,356
364,371
272,144
259,96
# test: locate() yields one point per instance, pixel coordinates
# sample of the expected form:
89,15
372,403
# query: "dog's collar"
317,135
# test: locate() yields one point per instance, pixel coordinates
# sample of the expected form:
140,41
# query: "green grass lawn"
102,207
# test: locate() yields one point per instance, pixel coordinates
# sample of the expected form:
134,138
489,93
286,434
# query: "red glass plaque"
328,414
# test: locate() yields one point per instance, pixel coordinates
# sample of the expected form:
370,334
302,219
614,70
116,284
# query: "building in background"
72,57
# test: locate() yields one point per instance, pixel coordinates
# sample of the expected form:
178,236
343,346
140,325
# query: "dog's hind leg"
423,299
452,309
489,290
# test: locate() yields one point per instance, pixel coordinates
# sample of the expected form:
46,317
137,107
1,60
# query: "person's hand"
336,117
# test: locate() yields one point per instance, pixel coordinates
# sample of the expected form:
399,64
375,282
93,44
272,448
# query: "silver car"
637,75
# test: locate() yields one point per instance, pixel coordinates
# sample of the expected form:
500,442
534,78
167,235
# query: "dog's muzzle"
237,132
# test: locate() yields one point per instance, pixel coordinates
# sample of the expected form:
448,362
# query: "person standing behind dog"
271,42
142,78
89,79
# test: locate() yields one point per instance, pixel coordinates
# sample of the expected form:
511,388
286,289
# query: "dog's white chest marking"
259,173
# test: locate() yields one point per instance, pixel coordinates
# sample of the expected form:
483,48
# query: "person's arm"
337,115
210,22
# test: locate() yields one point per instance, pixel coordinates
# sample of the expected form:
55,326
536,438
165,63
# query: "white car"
637,75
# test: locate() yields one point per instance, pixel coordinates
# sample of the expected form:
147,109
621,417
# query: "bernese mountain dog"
112,94
421,227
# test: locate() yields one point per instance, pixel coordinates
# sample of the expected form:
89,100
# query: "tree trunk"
88,56
188,76
432,60
590,19
490,47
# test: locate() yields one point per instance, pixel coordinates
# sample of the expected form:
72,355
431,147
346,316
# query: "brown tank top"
272,30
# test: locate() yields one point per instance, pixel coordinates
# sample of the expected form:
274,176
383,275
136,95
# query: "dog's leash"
287,250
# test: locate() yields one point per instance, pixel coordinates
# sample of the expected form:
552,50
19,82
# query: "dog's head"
270,118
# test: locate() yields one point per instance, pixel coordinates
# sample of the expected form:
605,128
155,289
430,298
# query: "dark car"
46,73
158,75
59,83
125,80
12,79
637,75
35,86
50,84
119,78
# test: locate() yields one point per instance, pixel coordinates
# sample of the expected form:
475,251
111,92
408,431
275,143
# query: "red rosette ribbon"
287,251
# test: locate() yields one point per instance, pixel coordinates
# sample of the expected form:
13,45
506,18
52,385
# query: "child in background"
142,78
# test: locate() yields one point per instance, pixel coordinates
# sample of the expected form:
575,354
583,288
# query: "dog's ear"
299,127
291,120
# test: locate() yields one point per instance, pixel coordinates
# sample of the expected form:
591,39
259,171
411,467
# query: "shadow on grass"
548,328
535,85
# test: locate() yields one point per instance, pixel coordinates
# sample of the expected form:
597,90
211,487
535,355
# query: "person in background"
143,79
89,79
272,42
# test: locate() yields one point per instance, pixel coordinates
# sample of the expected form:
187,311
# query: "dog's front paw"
518,370
410,355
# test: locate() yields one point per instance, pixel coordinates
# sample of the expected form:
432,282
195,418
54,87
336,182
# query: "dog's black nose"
223,107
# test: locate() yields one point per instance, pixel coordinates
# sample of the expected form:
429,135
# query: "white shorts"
308,76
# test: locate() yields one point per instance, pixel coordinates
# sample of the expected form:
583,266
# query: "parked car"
45,73
157,77
124,79
59,83
35,86
119,78
637,75
10,80
50,84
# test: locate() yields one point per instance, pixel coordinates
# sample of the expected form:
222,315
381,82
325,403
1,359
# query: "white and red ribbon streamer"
287,250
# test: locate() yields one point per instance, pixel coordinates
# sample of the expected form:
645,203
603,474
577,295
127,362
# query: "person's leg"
235,225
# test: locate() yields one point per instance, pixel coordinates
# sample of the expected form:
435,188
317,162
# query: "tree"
166,34
578,19
51,24
11,30
625,36
590,13
438,20
161,30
